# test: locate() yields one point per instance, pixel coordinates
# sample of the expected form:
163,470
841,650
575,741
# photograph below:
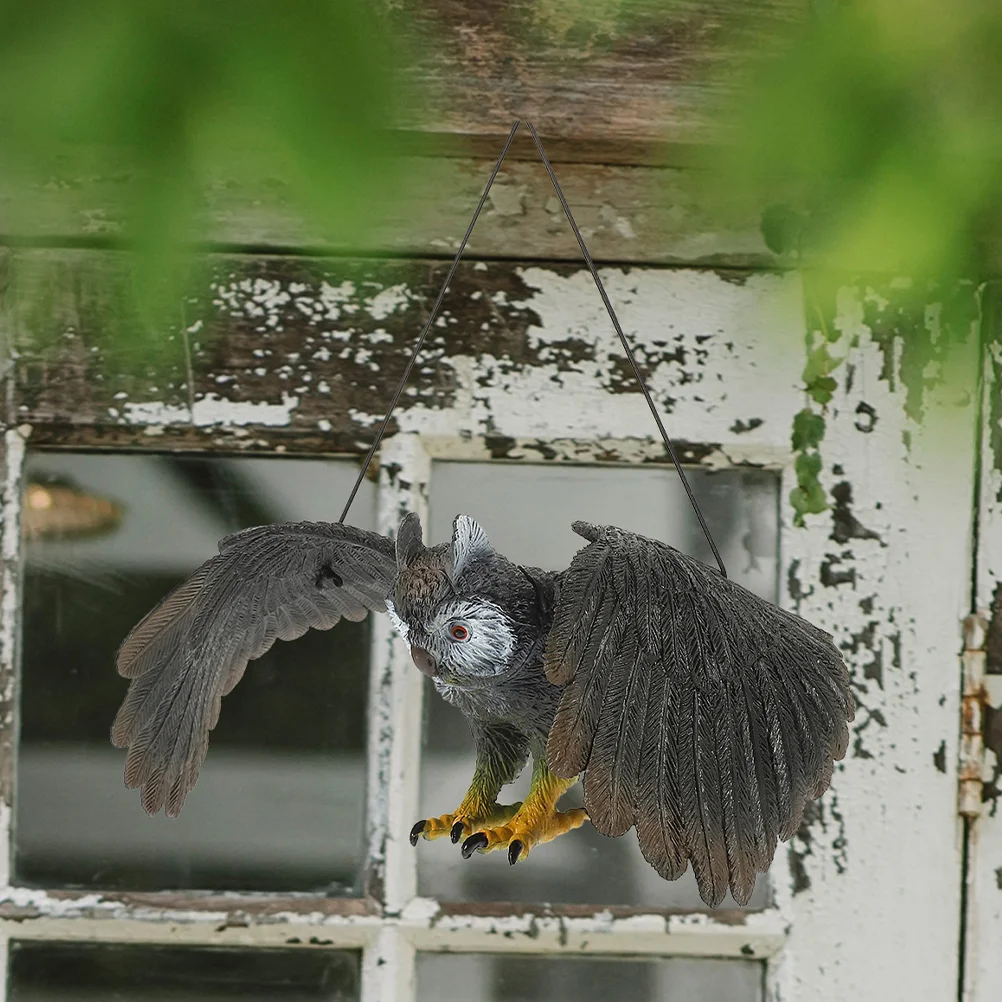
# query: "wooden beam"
643,214
614,82
271,349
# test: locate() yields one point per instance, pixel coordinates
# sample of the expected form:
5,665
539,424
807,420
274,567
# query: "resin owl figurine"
692,710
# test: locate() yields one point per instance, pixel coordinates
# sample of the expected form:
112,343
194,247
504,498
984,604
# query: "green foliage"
175,93
879,126
808,497
818,381
781,229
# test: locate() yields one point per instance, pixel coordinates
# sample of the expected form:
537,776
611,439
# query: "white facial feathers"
488,647
469,543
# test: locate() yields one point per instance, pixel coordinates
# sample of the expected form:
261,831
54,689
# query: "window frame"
830,889
389,923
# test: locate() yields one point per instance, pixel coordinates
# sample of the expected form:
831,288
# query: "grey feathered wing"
702,714
269,583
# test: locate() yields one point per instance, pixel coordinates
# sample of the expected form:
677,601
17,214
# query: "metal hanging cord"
626,347
427,326
605,299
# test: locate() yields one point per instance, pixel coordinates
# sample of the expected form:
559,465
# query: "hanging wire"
626,347
605,299
427,326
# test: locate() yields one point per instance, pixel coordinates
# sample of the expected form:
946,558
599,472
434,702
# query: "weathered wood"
525,358
601,81
275,348
652,215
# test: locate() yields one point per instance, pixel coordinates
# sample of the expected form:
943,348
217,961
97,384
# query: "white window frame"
814,943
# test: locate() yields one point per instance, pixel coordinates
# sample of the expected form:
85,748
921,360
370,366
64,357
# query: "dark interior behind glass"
280,802
63,972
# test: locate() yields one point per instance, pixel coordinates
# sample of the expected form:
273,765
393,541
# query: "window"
294,843
43,972
527,511
280,804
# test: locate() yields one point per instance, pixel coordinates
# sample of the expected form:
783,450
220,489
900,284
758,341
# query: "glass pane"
280,800
487,978
527,511
60,972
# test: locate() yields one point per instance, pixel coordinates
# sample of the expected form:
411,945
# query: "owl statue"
691,709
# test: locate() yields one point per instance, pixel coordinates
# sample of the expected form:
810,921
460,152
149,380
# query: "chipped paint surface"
210,410
739,934
285,343
308,922
886,570
395,695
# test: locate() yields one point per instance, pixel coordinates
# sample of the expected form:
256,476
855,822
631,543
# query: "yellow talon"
464,822
535,822
524,832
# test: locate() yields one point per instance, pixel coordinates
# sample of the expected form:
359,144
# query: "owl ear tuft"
410,542
469,544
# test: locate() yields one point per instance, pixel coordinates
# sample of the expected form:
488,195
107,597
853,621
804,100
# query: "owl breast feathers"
695,711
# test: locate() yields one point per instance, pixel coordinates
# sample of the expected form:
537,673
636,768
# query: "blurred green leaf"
822,389
883,123
781,228
173,92
808,497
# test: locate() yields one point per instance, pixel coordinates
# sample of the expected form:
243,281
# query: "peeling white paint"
888,575
395,694
689,328
420,925
212,410
387,301
10,579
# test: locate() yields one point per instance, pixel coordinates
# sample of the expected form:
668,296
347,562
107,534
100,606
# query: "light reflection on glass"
280,802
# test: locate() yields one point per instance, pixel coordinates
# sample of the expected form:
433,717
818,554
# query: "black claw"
473,843
514,851
457,832
416,831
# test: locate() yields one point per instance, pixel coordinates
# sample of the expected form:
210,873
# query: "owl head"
451,605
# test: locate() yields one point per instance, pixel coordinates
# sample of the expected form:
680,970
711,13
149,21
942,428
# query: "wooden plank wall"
623,98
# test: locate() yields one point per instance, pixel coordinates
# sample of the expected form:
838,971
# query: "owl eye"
459,633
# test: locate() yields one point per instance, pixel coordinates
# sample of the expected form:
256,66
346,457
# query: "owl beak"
425,662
